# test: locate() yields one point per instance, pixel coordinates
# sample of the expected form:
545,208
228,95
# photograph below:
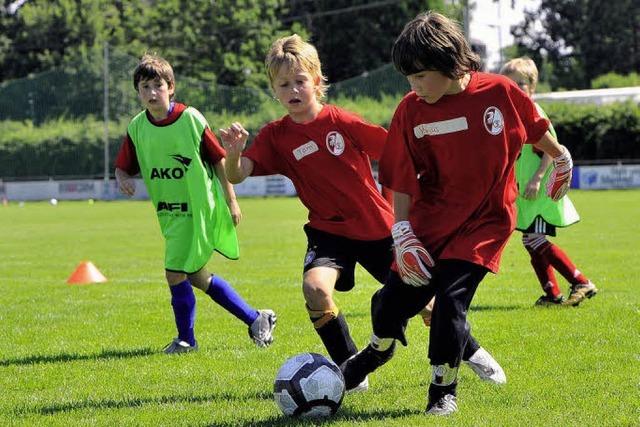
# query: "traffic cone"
86,273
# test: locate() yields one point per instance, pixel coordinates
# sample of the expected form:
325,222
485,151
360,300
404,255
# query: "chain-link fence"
63,122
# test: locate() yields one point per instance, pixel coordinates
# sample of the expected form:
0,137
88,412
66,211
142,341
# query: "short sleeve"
368,137
127,159
210,148
396,167
261,152
535,125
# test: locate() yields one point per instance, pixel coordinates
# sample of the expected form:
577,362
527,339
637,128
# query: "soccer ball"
309,385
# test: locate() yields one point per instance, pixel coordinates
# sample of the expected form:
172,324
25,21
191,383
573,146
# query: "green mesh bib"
561,213
187,195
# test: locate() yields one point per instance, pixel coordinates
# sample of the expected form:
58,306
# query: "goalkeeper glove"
560,178
412,259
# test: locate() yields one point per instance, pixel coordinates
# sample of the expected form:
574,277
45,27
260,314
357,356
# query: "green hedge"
597,132
74,147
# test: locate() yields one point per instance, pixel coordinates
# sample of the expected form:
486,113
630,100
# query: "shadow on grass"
496,308
342,416
72,357
135,402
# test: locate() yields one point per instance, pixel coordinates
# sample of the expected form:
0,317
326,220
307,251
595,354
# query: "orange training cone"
86,273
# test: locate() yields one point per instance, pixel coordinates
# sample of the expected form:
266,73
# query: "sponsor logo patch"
172,173
182,159
167,173
172,206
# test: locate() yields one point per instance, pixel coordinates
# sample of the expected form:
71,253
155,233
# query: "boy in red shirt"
326,152
449,159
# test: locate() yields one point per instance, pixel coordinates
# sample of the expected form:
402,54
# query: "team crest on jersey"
493,120
335,143
310,256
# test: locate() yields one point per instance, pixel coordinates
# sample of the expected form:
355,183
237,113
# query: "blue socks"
222,293
184,308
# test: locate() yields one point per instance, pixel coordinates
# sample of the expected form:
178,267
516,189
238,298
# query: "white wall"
275,185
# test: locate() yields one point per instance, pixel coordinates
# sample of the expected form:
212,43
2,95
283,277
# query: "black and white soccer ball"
309,385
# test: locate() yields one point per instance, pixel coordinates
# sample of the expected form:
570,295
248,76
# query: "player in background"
326,151
182,164
449,158
538,214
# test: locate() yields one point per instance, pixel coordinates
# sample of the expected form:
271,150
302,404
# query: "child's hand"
234,208
126,185
560,178
234,139
532,189
411,258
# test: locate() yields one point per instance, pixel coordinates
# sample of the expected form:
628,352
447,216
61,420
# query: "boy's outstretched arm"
126,183
560,179
229,192
234,139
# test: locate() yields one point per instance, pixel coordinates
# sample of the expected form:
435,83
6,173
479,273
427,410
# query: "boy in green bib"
182,164
538,214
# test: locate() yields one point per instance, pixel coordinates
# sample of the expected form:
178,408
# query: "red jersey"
210,149
456,159
328,161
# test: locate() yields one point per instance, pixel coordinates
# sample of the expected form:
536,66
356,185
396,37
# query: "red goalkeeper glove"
412,259
560,178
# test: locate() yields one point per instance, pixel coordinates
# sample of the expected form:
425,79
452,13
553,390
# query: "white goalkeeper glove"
560,178
412,259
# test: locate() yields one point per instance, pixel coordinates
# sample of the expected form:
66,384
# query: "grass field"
90,355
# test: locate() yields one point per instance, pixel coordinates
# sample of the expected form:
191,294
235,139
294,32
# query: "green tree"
43,34
354,36
582,39
223,39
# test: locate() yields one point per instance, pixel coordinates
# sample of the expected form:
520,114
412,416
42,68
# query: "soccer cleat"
580,292
445,405
177,346
548,300
261,330
360,388
486,367
356,368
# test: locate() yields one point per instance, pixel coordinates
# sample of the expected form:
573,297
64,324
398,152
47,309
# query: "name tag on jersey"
305,149
440,128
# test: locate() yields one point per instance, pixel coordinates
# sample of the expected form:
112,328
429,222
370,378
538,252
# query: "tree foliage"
215,40
354,36
222,39
582,39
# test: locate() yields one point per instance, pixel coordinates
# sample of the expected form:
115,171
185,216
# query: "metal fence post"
105,190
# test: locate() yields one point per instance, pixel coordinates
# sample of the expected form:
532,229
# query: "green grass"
89,355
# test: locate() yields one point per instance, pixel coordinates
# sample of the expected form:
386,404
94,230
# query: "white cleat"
177,346
486,367
444,406
261,330
360,388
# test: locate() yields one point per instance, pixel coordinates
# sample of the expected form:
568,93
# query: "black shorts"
540,226
333,251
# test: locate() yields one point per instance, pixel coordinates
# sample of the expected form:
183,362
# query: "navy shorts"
341,253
